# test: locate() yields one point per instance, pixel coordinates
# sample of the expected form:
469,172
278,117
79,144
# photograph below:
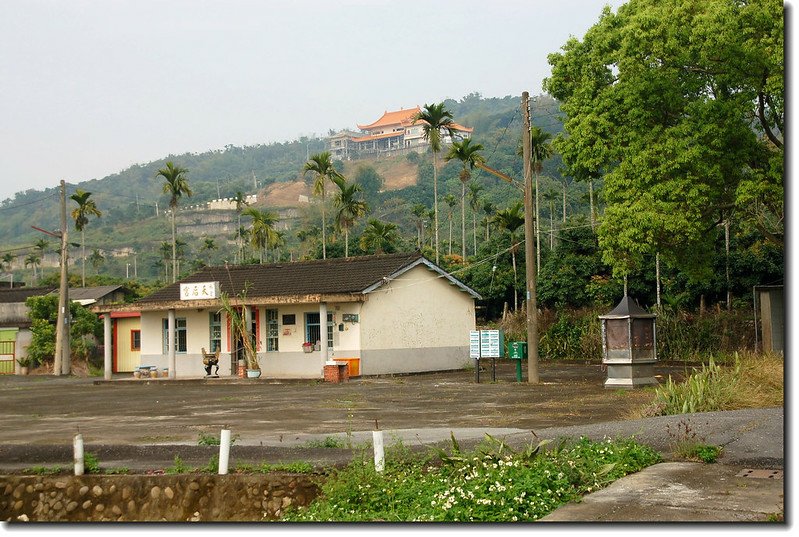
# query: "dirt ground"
46,410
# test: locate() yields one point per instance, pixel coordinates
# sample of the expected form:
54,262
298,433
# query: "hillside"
134,228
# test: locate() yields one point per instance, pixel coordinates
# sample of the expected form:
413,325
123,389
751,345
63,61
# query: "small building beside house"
382,314
15,324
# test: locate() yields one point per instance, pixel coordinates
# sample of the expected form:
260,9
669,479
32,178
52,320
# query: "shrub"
492,483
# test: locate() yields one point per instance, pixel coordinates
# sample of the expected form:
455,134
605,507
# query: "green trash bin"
517,350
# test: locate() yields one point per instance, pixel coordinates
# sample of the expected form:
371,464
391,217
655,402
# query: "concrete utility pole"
61,362
529,248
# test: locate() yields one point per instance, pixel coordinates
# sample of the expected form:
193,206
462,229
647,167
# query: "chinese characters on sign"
199,291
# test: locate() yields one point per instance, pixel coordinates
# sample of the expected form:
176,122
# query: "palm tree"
474,204
240,202
511,219
96,259
420,212
321,165
435,118
379,237
349,208
488,209
176,186
262,229
540,150
41,247
86,208
8,259
468,155
32,260
166,251
451,202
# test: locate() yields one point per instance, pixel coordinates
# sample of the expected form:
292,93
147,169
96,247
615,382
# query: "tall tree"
262,229
540,150
379,237
679,105
96,259
349,208
474,204
511,219
86,208
451,202
469,156
420,212
32,260
435,119
176,185
240,202
321,165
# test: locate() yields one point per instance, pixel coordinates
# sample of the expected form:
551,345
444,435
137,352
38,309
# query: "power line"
10,207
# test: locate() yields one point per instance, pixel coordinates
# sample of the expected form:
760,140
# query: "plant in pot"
25,363
239,332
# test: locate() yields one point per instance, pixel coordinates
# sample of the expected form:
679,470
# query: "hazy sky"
89,87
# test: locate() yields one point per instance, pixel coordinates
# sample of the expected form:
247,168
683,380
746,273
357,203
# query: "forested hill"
129,200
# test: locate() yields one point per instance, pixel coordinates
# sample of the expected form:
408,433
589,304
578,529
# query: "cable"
9,207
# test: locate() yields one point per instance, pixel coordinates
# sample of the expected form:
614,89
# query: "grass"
491,483
749,381
328,442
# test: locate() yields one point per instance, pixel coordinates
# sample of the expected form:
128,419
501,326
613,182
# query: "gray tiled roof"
331,276
20,294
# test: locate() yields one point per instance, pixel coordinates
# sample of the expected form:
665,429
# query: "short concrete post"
224,451
77,444
377,441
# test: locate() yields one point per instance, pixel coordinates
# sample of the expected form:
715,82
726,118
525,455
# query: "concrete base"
630,375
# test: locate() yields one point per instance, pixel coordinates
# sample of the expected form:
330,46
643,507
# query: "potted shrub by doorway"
24,364
239,332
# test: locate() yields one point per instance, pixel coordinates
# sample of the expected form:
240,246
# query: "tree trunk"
435,201
591,202
324,227
463,219
83,261
564,202
174,248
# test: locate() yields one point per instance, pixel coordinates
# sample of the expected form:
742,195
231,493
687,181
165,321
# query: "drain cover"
760,474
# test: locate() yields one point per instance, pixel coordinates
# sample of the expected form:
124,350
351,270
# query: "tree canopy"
678,104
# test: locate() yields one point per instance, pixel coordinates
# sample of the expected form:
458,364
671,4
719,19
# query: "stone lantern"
629,349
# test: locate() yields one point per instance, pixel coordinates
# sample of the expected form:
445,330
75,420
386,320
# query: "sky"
91,87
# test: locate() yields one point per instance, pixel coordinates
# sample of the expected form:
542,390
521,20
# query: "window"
135,340
180,335
271,330
215,332
312,332
289,319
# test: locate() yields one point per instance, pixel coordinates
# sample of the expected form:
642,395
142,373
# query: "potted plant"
239,332
307,347
24,364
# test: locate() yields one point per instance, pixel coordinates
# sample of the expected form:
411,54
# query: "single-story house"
15,324
396,313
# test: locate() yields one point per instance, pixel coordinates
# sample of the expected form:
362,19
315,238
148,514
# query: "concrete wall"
417,322
146,498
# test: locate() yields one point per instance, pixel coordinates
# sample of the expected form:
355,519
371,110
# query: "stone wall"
154,498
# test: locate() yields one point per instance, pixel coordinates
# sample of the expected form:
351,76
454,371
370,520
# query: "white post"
107,340
224,451
77,444
323,331
171,343
377,441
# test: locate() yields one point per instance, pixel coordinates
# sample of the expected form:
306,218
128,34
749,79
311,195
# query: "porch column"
108,342
323,330
171,342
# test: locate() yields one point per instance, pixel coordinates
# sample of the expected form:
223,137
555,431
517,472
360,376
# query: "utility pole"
529,248
61,361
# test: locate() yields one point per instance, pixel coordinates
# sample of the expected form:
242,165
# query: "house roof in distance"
338,276
20,294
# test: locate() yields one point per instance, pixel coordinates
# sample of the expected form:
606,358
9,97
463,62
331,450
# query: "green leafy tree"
80,214
510,220
467,154
540,150
44,316
435,118
379,237
348,208
262,229
679,106
321,165
96,259
176,185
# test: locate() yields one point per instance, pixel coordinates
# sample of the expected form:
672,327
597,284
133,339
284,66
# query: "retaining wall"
154,498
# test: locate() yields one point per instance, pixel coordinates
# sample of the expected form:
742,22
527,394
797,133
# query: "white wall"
417,322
